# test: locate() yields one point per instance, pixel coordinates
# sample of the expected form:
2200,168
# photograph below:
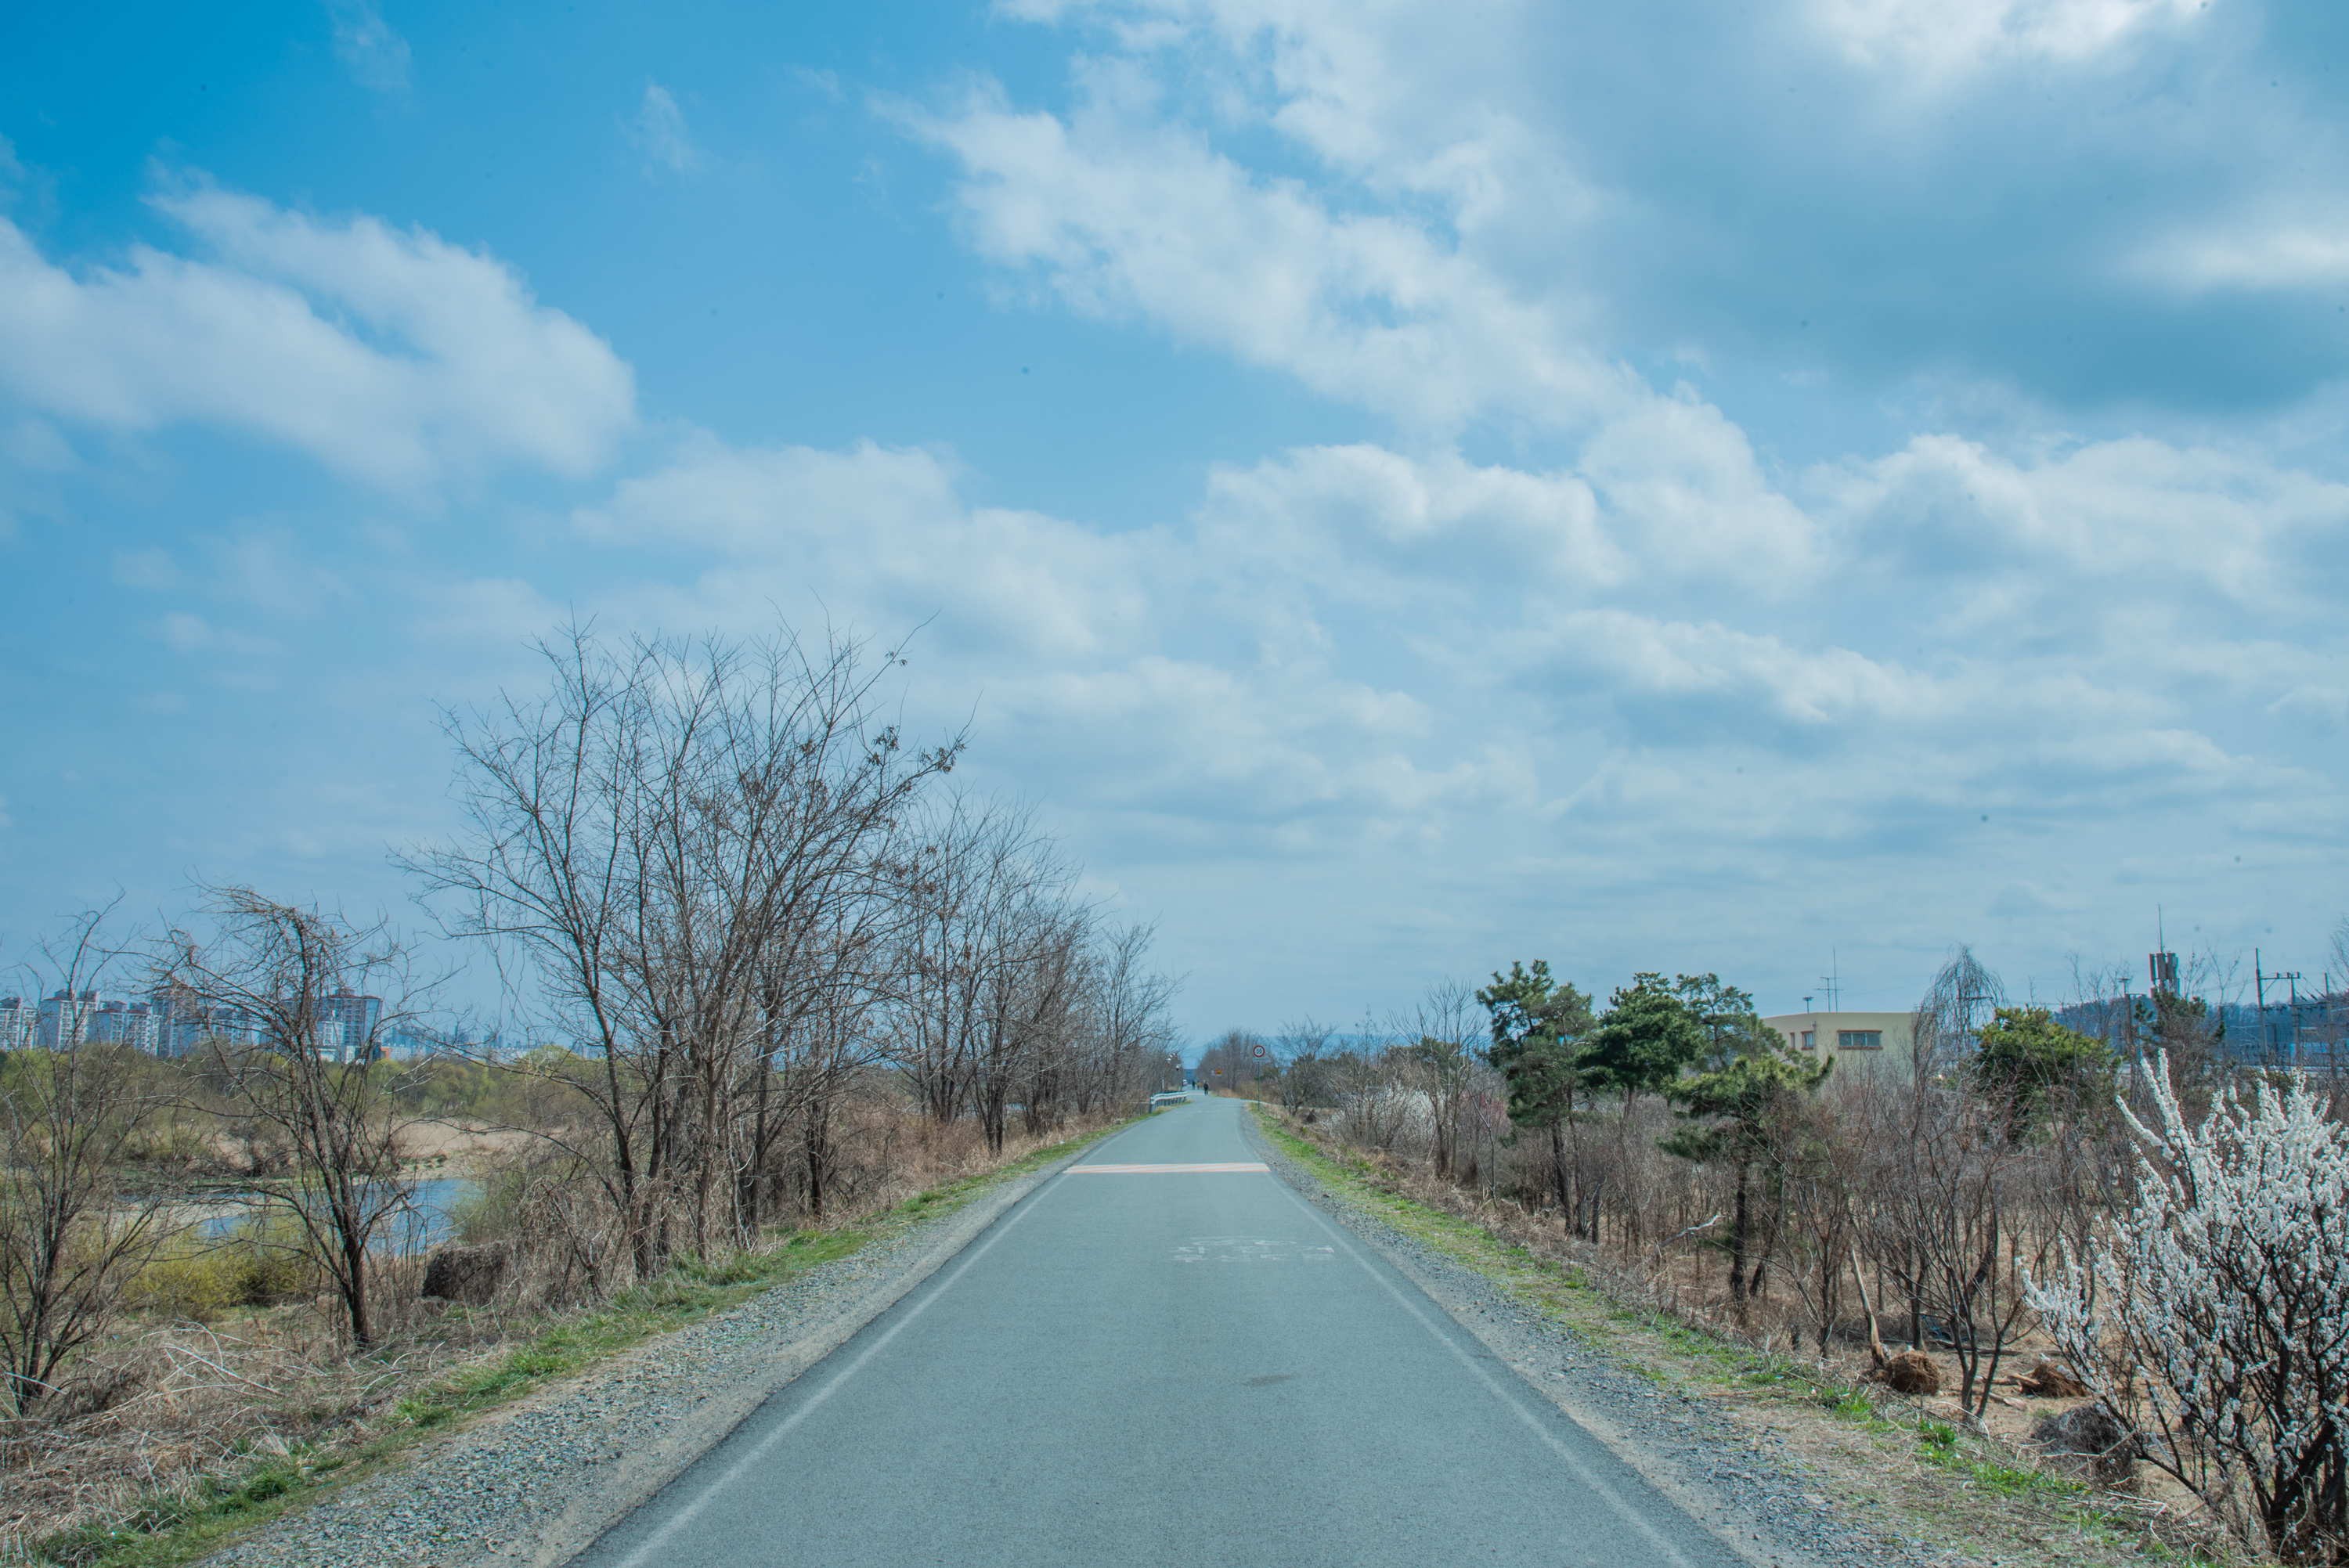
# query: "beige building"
1873,1041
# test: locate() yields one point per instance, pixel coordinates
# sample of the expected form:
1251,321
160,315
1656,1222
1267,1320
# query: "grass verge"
1895,1471
164,1531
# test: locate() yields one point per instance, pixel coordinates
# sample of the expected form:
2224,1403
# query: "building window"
1860,1039
1810,1039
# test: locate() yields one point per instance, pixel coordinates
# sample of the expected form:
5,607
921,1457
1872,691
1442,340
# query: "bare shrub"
268,980
72,1230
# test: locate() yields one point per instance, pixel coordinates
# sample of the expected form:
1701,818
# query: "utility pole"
2128,1033
2259,994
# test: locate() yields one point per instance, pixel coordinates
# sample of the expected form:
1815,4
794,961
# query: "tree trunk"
818,1147
354,1295
1737,1239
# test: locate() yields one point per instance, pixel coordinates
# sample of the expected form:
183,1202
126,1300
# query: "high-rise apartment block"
172,1024
348,1030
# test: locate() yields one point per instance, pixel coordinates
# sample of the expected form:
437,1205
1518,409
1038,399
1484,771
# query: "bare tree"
1442,1032
990,971
682,854
1235,1060
1129,1032
276,985
71,1111
1964,995
1302,1048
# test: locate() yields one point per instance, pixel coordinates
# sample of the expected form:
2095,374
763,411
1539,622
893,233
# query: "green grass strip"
162,1532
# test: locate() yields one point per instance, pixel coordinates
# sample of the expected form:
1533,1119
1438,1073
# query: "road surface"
1161,1355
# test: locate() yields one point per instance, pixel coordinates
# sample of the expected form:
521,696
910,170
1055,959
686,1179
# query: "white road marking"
1249,1250
1162,1170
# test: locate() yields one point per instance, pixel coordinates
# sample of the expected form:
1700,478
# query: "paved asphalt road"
1161,1366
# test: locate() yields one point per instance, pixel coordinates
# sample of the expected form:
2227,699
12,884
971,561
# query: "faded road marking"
1160,1170
1249,1250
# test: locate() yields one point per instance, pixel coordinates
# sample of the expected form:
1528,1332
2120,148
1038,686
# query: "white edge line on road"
1540,1429
758,1452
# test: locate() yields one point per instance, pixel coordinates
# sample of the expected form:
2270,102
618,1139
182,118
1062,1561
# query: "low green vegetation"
198,1278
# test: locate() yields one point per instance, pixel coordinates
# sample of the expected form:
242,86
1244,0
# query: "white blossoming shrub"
2213,1317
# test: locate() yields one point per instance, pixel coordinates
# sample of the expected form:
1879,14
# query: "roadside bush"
186,1281
272,1265
492,1209
260,1264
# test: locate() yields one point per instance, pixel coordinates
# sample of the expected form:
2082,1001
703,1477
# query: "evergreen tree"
1649,1035
1537,1024
2030,1063
1747,1113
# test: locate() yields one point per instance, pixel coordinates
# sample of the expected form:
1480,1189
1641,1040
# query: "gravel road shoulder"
1770,1506
532,1485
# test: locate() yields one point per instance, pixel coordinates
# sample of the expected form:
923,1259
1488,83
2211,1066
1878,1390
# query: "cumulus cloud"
1160,670
885,530
1567,191
1341,644
389,356
1366,308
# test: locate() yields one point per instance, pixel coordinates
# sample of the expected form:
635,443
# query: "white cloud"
2102,528
150,568
185,633
1938,37
1351,642
392,356
884,530
485,611
1122,214
660,129
377,56
2250,254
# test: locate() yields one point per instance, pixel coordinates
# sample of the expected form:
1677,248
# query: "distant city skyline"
1762,491
166,1023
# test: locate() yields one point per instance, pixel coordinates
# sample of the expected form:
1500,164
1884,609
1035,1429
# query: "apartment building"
173,1025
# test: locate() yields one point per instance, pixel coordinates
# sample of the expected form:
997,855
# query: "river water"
429,1225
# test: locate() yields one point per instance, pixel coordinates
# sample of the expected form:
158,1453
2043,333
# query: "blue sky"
1405,488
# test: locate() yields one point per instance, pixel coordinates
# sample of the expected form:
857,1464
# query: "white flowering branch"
2214,1316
